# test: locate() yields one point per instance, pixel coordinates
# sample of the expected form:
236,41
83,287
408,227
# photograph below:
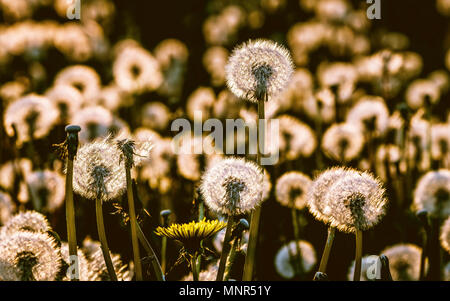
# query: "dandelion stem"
72,145
298,256
256,214
103,241
358,256
327,250
231,258
133,222
165,215
225,249
148,248
194,267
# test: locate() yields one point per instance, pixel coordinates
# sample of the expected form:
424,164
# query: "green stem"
256,214
194,267
231,258
327,250
151,254
298,256
103,241
133,222
358,256
225,249
70,217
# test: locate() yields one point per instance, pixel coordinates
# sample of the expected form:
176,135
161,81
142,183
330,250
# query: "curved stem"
225,249
148,248
70,218
133,222
327,250
358,256
103,241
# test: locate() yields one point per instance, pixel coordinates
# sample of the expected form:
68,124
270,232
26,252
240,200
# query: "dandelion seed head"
343,142
28,256
98,172
440,140
441,79
370,114
432,193
233,186
366,263
171,49
7,207
219,238
66,98
317,203
135,70
258,67
83,264
99,272
47,187
31,221
404,261
201,100
387,156
30,113
342,75
419,90
445,235
284,261
7,172
292,188
357,202
95,122
321,105
214,60
155,115
85,79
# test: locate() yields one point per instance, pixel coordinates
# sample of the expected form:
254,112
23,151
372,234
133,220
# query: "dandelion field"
117,162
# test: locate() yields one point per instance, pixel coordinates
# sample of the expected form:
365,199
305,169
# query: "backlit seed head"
28,256
317,203
90,247
343,142
7,207
419,90
95,122
445,235
31,221
85,79
99,272
370,114
432,193
46,189
404,261
219,238
233,186
32,115
257,68
83,264
321,105
155,115
440,140
356,201
97,171
292,189
286,256
66,98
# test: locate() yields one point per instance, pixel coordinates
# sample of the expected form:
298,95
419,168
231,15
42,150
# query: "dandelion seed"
432,193
343,142
27,256
404,261
258,68
445,235
292,189
285,255
81,77
32,115
31,221
233,186
97,171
